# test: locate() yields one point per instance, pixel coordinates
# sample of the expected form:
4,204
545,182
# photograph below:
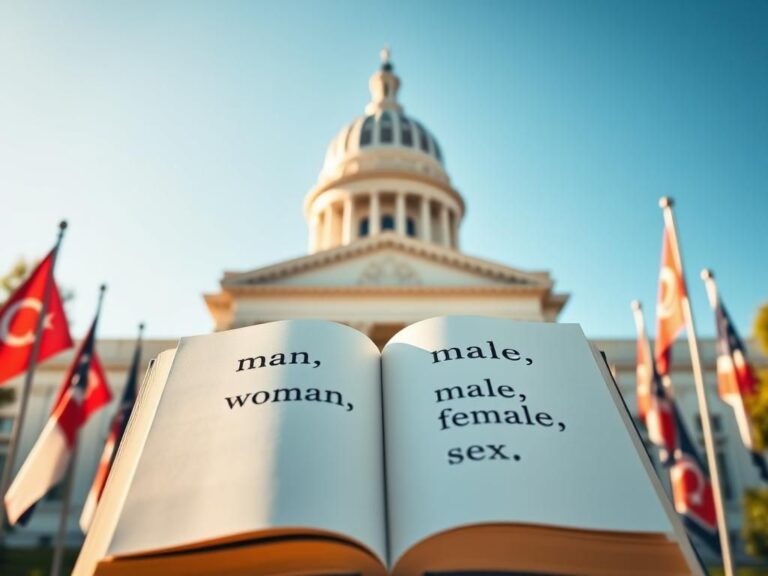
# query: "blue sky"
179,140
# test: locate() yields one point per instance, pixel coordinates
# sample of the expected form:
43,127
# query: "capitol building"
383,251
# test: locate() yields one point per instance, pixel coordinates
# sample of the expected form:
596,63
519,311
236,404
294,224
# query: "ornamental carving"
389,271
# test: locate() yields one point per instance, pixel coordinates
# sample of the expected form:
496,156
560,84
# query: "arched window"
410,227
386,128
366,132
363,229
423,140
437,150
387,222
406,132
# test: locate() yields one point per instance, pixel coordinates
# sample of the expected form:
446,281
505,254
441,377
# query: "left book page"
261,432
127,458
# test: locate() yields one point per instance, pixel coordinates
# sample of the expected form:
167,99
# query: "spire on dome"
384,85
385,54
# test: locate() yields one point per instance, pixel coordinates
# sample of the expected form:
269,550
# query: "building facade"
384,224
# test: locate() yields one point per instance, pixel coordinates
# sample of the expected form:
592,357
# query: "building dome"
383,172
384,137
378,132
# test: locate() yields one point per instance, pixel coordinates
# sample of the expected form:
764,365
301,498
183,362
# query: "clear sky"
179,140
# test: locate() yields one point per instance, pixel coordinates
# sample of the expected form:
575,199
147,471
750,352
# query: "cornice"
265,290
374,174
368,245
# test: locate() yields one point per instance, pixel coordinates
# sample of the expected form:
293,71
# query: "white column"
348,220
328,227
445,229
374,216
314,233
400,213
426,220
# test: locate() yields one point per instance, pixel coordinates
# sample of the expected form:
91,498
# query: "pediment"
387,260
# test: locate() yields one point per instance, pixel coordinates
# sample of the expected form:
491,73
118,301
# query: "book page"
108,511
276,426
489,420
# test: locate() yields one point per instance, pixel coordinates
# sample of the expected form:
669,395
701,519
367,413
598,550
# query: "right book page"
493,421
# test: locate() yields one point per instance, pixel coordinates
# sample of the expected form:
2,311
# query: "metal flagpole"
666,204
61,535
18,422
58,551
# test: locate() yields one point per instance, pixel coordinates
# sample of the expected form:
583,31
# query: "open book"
468,445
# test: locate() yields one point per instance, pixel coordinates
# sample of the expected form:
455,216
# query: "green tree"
761,327
755,528
13,278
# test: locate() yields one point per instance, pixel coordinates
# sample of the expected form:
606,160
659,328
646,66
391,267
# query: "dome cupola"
383,172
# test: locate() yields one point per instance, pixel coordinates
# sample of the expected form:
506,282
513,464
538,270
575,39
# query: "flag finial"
707,274
666,202
62,229
635,304
102,289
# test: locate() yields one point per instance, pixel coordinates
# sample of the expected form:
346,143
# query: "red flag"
83,392
692,492
119,424
644,370
18,322
669,307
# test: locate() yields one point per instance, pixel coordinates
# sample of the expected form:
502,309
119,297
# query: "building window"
386,129
410,227
406,132
6,425
363,229
387,222
725,476
720,441
717,423
437,150
366,132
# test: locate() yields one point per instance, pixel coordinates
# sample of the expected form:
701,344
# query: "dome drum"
342,216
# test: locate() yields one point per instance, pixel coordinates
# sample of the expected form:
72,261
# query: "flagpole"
69,482
18,422
666,204
58,551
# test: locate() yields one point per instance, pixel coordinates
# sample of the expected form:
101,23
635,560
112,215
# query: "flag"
669,306
692,492
116,431
655,405
661,418
736,381
644,370
19,318
83,391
